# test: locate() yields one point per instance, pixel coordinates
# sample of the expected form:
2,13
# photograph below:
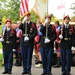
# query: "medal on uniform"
7,42
31,30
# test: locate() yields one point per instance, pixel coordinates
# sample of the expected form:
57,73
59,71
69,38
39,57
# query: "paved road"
36,71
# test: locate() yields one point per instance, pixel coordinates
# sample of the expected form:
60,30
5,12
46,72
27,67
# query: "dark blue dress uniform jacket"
9,40
51,35
31,31
68,36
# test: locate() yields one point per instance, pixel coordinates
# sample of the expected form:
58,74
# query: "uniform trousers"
27,52
66,60
46,54
8,60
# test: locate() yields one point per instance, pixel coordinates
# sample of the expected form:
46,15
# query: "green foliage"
73,8
73,19
2,13
54,18
11,9
3,0
0,45
0,60
34,17
13,12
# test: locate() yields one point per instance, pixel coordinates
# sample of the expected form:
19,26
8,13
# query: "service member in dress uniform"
27,43
66,44
47,45
8,41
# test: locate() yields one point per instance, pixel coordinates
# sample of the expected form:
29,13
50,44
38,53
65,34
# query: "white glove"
60,36
47,40
1,39
26,38
46,21
72,48
25,19
14,50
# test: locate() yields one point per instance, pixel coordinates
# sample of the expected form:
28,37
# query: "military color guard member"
27,43
8,42
66,44
47,45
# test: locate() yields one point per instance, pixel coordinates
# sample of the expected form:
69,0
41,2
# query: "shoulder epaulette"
33,26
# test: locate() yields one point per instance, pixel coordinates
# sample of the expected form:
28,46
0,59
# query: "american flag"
24,7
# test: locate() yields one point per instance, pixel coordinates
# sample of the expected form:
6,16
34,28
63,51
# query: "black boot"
58,63
20,60
17,62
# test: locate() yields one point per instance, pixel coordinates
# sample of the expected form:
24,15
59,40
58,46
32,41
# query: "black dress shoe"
49,73
18,64
44,74
24,73
68,74
56,66
5,72
63,74
9,73
29,73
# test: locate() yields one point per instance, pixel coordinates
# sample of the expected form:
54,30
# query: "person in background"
47,45
37,45
57,44
17,52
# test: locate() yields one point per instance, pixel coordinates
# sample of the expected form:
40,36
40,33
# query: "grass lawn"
0,45
0,56
0,34
0,60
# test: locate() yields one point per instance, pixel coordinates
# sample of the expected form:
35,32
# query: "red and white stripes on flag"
24,7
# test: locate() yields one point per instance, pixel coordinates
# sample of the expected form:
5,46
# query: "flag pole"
46,25
47,7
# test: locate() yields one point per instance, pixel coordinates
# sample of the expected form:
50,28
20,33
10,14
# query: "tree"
13,11
2,4
54,18
73,19
11,8
73,8
34,17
